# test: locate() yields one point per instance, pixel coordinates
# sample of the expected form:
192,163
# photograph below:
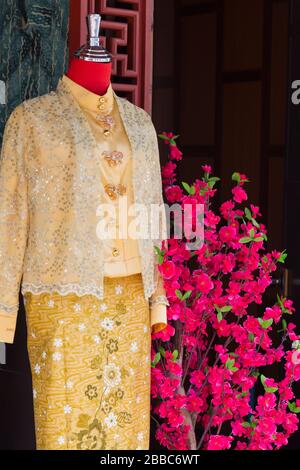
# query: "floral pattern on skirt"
90,362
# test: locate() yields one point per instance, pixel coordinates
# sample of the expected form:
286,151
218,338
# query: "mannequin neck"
93,76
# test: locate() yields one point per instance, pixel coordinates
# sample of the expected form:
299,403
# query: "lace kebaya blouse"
63,154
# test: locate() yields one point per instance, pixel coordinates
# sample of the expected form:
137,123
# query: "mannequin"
91,66
94,76
89,323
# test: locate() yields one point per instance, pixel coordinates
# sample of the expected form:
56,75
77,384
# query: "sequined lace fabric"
49,194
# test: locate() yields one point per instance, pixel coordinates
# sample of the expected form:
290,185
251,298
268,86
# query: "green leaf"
156,359
252,233
265,323
230,365
248,213
236,177
219,314
162,351
245,240
242,395
293,407
246,425
160,254
259,239
263,379
283,257
158,250
255,223
214,179
179,294
251,337
226,308
187,295
175,354
255,373
284,325
189,189
164,137
279,301
184,296
271,389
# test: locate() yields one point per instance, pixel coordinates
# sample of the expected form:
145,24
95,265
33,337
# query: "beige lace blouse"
63,153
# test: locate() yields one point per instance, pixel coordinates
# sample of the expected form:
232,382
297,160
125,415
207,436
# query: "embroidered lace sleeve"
13,221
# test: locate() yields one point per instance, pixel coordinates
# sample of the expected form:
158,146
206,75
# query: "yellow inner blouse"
121,254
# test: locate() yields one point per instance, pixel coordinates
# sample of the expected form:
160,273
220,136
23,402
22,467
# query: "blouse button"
107,132
113,158
115,252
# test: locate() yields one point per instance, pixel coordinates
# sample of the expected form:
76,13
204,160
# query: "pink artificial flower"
168,269
194,404
211,219
255,211
239,194
243,178
274,313
288,305
169,135
168,170
173,194
226,209
276,254
175,153
219,442
203,283
222,272
165,334
174,311
197,377
227,234
206,168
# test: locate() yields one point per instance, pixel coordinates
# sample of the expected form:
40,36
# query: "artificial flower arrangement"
213,380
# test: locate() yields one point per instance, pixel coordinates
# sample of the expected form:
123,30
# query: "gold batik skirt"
90,362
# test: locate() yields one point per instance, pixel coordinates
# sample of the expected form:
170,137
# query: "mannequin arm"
158,307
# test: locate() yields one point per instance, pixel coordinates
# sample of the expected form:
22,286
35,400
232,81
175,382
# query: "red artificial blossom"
212,384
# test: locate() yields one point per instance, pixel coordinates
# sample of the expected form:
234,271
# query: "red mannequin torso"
94,76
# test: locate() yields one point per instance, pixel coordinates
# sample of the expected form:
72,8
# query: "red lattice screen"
127,33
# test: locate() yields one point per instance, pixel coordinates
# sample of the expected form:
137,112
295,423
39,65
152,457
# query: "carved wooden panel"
127,33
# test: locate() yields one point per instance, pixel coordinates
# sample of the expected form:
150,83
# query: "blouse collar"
87,99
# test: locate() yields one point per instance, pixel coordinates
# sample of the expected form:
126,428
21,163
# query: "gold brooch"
107,122
113,191
113,158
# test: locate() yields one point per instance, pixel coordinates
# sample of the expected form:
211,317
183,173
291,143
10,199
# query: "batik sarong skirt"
90,363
